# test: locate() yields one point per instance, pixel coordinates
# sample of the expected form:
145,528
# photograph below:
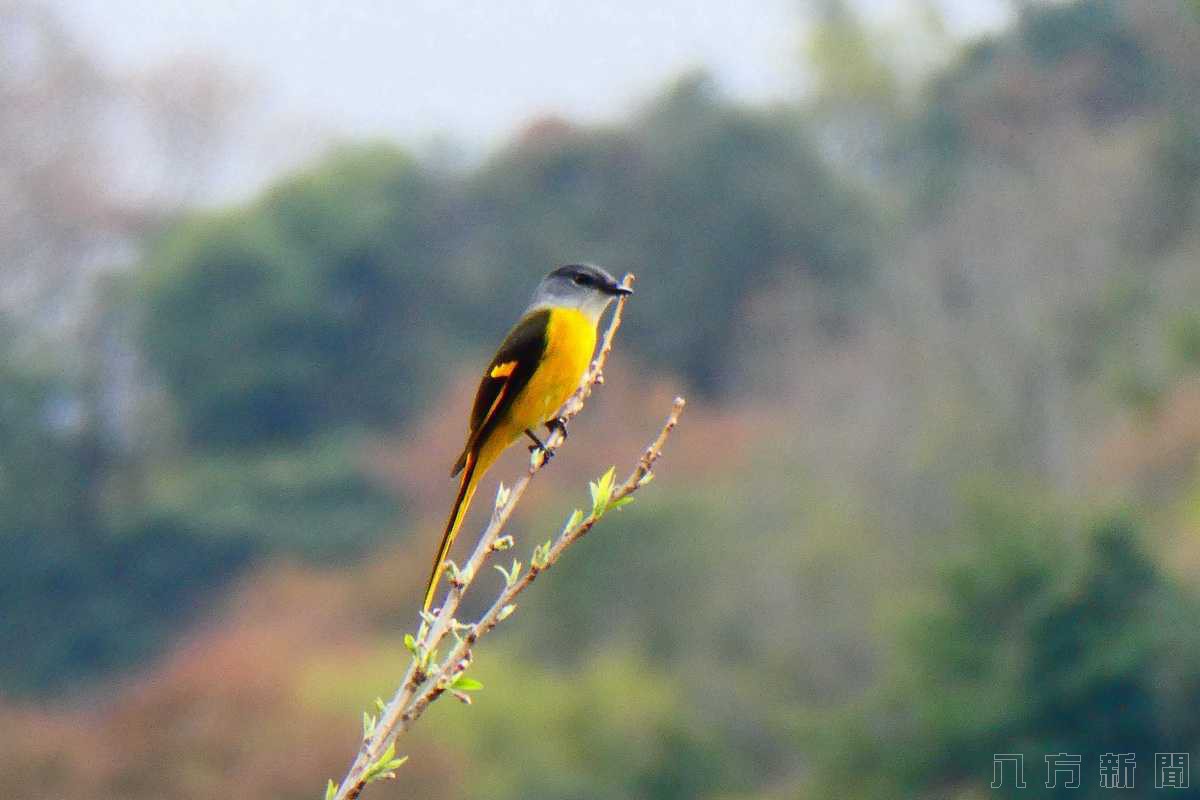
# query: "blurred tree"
1081,61
1041,639
78,596
1122,74
330,301
713,203
847,58
74,197
741,202
309,310
180,116
80,591
312,500
54,207
620,728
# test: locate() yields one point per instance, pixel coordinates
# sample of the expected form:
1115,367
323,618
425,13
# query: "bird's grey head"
582,286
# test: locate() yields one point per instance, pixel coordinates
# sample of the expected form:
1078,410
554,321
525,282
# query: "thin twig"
461,653
426,679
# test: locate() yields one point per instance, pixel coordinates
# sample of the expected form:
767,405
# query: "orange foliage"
1147,451
220,716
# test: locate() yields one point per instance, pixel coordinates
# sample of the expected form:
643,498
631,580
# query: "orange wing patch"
503,370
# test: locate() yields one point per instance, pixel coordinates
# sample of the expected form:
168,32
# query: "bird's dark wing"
506,375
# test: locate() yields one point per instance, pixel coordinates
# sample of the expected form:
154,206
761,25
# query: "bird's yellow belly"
570,342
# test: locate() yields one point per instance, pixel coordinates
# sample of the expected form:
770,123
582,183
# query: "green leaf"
383,767
368,725
601,491
541,554
624,501
464,684
572,521
606,480
510,576
380,705
410,644
330,790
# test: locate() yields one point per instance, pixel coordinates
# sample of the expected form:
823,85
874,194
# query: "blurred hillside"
936,498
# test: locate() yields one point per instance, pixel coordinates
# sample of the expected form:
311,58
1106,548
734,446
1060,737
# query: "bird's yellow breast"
570,342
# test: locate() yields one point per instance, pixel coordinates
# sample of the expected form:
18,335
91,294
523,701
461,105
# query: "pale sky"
474,71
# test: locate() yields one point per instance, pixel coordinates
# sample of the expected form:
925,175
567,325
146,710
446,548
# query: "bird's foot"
539,446
558,424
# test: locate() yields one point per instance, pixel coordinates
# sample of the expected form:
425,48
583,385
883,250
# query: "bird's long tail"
466,491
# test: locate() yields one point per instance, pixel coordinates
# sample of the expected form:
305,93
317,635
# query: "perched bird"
539,364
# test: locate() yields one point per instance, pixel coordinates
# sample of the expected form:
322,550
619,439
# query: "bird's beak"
619,289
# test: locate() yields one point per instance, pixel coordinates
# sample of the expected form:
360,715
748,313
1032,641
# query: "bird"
537,367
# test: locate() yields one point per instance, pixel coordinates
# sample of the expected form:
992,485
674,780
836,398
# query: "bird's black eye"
580,280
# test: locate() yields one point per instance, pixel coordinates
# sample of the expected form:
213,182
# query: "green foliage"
743,622
79,595
335,298
849,64
1171,184
303,312
601,492
740,201
510,575
1184,335
617,729
80,602
465,684
1043,637
1055,33
541,555
312,500
43,458
226,329
385,766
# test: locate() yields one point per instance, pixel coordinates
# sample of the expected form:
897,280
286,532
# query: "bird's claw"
547,454
558,424
539,446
